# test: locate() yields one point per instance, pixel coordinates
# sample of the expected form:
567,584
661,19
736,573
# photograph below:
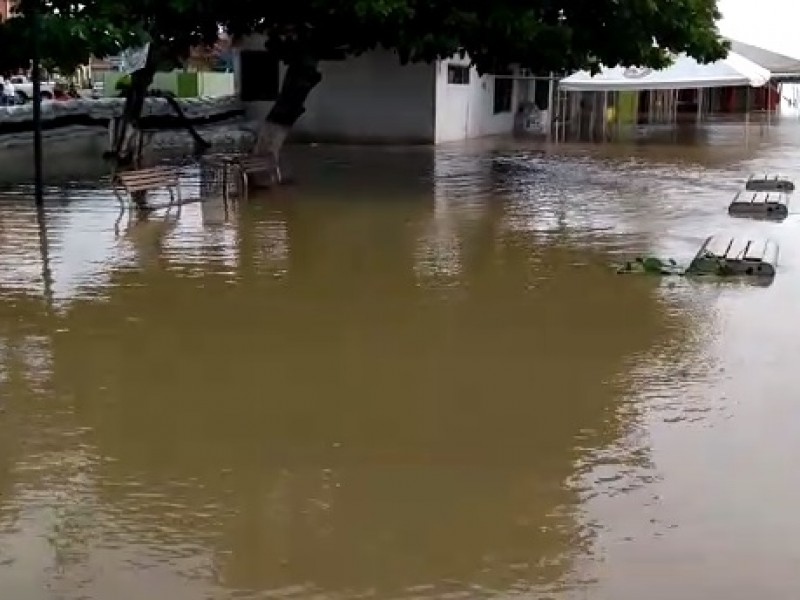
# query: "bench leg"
225,184
245,184
178,198
118,222
120,198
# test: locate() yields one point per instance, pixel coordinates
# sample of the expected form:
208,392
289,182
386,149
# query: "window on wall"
503,91
541,94
458,74
259,74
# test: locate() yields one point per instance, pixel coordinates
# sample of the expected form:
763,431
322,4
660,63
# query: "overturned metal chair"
735,257
771,206
228,173
769,183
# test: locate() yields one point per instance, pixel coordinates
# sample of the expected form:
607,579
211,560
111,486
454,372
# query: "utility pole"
37,103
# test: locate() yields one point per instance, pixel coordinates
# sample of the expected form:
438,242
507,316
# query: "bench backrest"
255,164
148,179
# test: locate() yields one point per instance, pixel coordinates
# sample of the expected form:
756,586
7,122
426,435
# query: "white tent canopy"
684,73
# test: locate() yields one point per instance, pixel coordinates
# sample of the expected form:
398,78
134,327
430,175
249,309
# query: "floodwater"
411,375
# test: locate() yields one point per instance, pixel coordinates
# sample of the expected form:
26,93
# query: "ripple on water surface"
412,375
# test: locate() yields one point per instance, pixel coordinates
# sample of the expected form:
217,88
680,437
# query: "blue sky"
771,24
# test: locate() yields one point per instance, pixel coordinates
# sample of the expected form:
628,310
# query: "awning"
781,66
684,73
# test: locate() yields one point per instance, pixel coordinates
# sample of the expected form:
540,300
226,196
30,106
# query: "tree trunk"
128,142
127,139
128,134
301,77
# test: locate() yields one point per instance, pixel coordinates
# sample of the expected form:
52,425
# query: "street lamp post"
37,104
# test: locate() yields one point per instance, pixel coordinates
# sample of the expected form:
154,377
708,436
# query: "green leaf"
542,35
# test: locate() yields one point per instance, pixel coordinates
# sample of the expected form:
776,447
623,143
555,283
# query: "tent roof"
685,72
779,65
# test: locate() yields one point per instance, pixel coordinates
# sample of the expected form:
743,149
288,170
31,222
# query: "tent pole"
569,114
658,109
673,114
769,104
699,105
674,107
747,113
550,110
559,114
670,107
561,103
660,106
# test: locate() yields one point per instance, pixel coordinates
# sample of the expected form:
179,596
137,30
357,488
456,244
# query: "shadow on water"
414,374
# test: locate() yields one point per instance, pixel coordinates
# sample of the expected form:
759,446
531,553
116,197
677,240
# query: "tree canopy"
542,35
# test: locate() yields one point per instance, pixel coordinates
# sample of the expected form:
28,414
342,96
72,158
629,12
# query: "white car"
23,88
8,96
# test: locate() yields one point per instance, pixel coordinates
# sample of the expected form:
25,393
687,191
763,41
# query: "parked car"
24,88
7,96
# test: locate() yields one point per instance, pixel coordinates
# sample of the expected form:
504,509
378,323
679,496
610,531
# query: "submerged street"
412,374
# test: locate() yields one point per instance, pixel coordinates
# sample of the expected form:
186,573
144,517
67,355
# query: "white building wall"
366,99
373,99
465,111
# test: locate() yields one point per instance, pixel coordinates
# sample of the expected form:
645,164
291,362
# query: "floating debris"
651,265
760,205
769,183
721,257
732,257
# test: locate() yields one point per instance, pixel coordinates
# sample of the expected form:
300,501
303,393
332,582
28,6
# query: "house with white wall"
372,99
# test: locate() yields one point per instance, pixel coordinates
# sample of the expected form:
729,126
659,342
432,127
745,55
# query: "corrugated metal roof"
777,64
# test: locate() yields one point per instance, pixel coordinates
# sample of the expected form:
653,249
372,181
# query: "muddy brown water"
411,375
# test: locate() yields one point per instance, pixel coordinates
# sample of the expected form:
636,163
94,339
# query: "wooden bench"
142,181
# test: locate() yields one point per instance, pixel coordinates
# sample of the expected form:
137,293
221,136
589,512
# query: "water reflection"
361,460
426,384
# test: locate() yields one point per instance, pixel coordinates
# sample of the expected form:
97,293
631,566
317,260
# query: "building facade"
6,7
373,99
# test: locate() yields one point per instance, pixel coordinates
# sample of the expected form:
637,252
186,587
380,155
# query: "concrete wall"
212,84
183,84
365,99
109,79
167,82
69,154
466,111
372,99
